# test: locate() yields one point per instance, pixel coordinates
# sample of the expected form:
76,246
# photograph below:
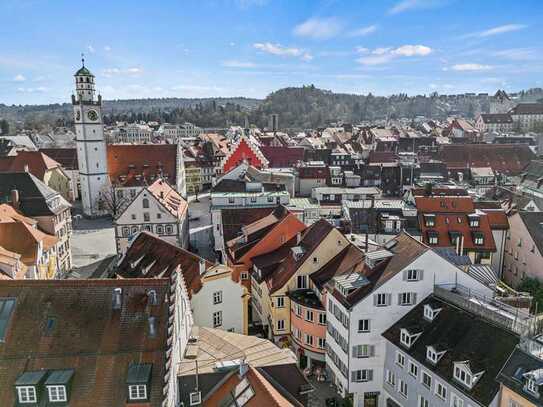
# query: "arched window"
145,203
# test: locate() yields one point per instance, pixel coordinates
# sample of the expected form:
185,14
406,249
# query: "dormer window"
430,313
57,393
406,338
531,386
432,237
474,221
27,386
139,381
478,238
27,394
463,374
432,355
430,220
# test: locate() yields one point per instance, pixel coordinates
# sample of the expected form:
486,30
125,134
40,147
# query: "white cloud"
107,48
501,29
134,71
363,31
277,49
238,64
319,28
383,55
470,67
91,49
407,5
19,78
361,50
39,89
518,54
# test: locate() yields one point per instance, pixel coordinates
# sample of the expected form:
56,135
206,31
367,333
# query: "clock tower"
91,144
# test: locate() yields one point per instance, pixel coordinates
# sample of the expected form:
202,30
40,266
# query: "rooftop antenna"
83,60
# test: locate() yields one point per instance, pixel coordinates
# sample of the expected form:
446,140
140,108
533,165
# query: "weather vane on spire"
83,59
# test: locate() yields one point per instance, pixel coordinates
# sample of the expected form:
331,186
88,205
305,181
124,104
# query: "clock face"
92,115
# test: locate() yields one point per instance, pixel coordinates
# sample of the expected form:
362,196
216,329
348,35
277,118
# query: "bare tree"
113,200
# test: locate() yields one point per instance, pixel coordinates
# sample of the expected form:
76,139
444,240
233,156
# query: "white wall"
231,305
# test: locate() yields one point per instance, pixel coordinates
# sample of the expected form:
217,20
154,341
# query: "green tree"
4,127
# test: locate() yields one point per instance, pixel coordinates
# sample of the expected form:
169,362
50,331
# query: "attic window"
430,220
433,237
531,386
463,374
478,238
473,221
432,355
408,339
138,380
430,313
27,394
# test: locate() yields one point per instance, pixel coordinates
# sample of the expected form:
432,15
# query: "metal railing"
511,318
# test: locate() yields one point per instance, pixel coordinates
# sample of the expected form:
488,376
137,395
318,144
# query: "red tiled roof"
67,157
497,218
282,157
313,172
505,158
444,204
445,224
150,257
85,334
147,161
168,197
38,163
377,157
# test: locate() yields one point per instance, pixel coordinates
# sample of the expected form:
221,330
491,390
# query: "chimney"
117,298
202,266
26,168
298,237
152,326
153,299
15,199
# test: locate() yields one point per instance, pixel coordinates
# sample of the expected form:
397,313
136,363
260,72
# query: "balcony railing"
511,318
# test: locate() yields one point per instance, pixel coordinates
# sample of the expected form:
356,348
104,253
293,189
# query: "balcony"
306,298
514,319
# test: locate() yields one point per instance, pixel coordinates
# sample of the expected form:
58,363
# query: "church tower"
90,141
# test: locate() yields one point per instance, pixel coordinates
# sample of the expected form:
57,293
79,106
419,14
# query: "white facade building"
158,209
358,314
91,145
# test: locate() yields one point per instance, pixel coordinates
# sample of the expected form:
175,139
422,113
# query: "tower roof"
83,71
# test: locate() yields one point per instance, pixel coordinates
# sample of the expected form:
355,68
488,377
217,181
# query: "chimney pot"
202,266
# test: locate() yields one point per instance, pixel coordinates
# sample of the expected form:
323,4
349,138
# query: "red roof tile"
282,157
38,163
127,162
85,334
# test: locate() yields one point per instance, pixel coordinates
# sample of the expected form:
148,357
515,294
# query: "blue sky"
186,48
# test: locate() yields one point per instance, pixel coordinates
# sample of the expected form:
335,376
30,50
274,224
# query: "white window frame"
322,318
217,319
321,343
463,376
302,279
531,386
431,355
423,402
137,392
413,369
217,297
363,375
57,393
400,359
27,394
364,324
456,401
412,277
441,391
390,377
308,339
280,302
424,375
380,296
402,388
309,315
280,324
406,298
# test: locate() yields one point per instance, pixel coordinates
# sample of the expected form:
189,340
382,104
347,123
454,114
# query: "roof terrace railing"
511,318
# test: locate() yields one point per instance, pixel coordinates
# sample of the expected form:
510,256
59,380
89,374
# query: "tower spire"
83,60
